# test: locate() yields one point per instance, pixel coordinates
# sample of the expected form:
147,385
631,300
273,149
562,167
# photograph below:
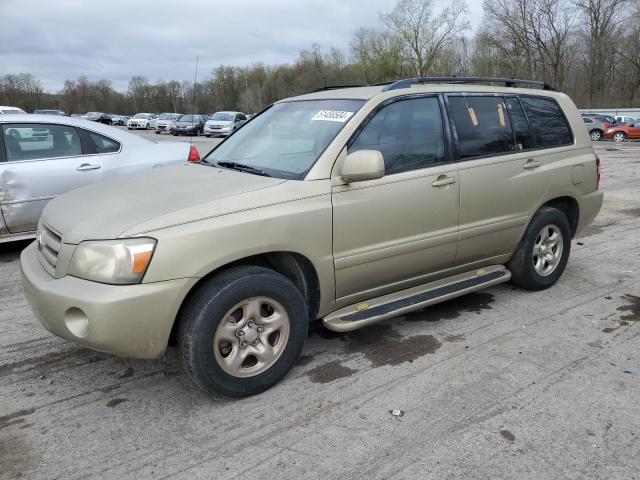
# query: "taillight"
194,156
597,172
607,125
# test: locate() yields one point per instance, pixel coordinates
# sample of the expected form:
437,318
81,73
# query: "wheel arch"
294,266
569,206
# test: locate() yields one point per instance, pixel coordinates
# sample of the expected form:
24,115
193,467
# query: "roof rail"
335,87
508,82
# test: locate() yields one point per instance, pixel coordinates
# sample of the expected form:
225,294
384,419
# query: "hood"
156,198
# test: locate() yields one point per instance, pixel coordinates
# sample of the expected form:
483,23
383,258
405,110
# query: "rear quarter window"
548,123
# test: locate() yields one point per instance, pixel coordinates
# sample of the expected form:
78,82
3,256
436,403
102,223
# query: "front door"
41,161
391,233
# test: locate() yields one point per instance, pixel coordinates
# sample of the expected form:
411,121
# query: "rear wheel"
242,331
619,136
543,251
596,135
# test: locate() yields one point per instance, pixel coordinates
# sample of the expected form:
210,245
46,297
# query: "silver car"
224,123
596,126
165,120
71,153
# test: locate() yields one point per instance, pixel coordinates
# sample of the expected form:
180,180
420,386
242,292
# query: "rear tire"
262,304
543,251
596,135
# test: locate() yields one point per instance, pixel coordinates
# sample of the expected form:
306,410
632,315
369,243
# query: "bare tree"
422,34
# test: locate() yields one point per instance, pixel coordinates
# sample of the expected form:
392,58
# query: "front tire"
619,137
242,331
543,252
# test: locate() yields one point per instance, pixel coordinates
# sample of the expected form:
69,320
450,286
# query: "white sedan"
73,153
140,120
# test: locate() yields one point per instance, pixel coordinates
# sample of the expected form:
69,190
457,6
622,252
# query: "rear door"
38,168
502,176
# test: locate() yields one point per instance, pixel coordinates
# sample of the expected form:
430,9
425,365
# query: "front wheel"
242,331
619,136
543,252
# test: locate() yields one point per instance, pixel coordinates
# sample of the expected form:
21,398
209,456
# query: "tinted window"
547,121
482,125
521,130
33,141
409,134
587,120
102,144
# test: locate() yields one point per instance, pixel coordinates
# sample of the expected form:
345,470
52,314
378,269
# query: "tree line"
588,49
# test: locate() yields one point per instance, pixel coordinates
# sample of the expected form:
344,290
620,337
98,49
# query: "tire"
202,338
596,135
129,128
157,132
619,137
535,272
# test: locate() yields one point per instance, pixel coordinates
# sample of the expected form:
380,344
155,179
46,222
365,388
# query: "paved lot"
498,384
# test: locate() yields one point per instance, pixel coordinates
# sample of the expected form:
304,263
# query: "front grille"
49,243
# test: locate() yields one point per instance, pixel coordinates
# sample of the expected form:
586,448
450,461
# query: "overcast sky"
57,40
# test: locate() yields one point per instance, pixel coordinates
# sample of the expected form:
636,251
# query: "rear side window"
521,130
482,124
101,144
24,141
408,133
587,120
548,123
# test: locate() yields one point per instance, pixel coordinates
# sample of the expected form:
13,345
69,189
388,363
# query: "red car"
622,132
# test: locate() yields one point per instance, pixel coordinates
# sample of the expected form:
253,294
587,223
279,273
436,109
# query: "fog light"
77,322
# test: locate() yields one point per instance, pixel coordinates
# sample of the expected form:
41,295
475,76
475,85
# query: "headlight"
119,262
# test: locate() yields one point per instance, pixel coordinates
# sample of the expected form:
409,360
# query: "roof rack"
508,82
335,87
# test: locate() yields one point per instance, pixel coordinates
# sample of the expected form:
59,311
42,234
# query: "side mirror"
363,165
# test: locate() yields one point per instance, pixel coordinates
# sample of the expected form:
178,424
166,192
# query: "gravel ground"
498,384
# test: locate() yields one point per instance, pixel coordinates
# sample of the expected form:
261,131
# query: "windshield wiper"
242,168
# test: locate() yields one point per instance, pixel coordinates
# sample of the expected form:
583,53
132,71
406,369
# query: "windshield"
188,118
287,139
222,117
142,115
168,116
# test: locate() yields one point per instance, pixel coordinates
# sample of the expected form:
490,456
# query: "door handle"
88,166
443,180
531,163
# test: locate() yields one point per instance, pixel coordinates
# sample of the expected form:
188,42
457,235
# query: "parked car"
139,120
73,153
165,120
620,133
11,110
49,112
98,117
349,205
153,121
596,126
192,124
224,123
119,120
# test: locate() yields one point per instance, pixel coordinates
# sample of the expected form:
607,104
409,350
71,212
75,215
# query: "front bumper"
128,320
216,131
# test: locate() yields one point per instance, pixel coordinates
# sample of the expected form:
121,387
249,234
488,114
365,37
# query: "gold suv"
348,205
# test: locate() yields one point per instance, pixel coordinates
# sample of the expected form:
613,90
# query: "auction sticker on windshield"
332,115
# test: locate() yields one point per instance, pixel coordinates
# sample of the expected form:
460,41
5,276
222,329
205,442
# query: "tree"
422,34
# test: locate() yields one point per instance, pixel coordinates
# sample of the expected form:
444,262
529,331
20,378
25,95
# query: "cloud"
117,39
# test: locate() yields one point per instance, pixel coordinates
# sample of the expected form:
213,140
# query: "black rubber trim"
422,297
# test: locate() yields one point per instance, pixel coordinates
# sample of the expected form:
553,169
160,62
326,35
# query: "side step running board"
395,304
